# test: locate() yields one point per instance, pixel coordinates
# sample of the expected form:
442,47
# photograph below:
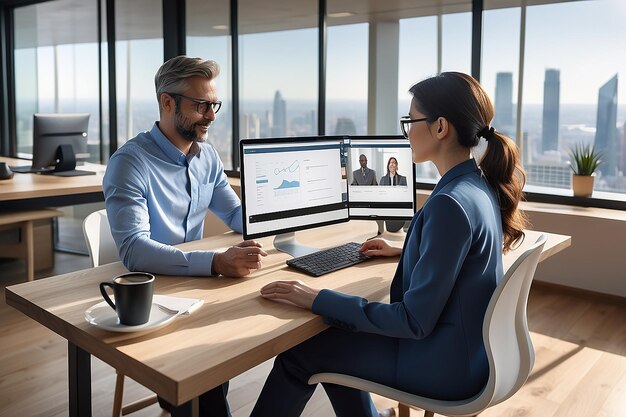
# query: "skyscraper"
551,101
503,119
250,126
279,127
606,127
623,167
345,126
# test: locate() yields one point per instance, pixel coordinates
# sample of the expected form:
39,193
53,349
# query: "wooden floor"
580,367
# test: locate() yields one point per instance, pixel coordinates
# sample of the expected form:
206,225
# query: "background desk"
33,191
234,331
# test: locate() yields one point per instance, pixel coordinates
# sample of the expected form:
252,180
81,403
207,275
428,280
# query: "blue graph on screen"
289,176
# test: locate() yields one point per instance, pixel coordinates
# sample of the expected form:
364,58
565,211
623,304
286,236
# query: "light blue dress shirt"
157,197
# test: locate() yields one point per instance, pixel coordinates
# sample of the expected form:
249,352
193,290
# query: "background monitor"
290,184
381,202
53,130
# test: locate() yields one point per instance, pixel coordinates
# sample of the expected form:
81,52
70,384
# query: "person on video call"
392,177
428,340
159,186
364,175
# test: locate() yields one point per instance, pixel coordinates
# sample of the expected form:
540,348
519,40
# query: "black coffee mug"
5,171
133,297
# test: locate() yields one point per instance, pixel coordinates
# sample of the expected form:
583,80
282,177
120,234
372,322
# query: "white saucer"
103,316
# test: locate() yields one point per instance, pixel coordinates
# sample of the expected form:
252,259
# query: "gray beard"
187,133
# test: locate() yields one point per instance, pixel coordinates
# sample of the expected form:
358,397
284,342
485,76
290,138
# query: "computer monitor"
291,184
378,195
51,132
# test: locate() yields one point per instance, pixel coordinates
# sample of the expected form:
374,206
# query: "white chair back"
507,342
509,348
100,243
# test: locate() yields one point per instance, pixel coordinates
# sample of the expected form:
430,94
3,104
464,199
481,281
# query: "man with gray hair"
159,186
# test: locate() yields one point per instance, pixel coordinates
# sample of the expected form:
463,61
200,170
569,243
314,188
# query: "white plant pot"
582,185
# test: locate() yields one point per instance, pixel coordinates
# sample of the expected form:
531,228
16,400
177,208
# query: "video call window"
381,177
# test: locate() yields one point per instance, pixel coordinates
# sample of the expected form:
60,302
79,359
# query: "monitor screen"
290,184
52,130
381,175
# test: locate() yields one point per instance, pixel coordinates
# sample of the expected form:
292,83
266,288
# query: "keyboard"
329,260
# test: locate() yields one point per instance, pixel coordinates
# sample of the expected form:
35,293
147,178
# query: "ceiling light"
340,14
220,27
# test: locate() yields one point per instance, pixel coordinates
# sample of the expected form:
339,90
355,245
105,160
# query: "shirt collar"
171,151
464,168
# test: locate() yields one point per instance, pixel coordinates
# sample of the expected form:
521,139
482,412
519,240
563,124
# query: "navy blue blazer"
450,265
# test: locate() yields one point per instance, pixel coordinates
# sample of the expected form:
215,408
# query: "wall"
596,261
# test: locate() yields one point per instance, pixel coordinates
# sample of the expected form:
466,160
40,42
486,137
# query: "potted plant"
585,161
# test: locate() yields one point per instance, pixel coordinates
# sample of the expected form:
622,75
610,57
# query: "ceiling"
74,21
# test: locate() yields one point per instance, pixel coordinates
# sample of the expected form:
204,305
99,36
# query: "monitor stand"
391,235
287,243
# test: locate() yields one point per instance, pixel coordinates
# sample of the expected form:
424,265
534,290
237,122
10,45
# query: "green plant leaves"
585,159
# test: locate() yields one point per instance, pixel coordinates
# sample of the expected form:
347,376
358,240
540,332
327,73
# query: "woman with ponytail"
428,339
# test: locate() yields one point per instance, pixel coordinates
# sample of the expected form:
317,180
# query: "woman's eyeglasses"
202,106
405,124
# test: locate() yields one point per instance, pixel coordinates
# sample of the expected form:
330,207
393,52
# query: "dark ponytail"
461,100
503,170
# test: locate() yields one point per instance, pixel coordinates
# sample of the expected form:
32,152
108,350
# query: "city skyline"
551,108
606,139
503,103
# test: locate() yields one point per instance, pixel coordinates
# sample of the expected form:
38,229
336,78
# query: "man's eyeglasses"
405,124
202,106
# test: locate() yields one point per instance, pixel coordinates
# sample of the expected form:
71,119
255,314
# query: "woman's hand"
294,292
379,247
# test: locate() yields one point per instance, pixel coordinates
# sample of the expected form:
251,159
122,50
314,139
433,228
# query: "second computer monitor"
381,175
50,131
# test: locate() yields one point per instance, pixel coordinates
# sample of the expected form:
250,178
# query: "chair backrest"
505,329
100,243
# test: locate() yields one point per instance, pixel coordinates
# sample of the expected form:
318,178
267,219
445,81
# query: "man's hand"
239,260
379,247
294,292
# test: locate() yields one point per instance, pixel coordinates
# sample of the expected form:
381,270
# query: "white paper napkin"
181,304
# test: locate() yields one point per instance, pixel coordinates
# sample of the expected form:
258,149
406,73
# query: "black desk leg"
79,364
183,410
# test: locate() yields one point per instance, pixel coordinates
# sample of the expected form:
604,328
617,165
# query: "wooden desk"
33,191
232,332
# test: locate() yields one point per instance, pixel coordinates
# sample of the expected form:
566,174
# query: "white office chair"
102,250
507,342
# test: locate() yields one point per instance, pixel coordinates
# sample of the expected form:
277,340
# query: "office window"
456,39
418,59
278,77
500,64
139,54
56,71
346,78
572,93
208,37
421,55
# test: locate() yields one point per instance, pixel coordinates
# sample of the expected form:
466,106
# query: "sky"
583,39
